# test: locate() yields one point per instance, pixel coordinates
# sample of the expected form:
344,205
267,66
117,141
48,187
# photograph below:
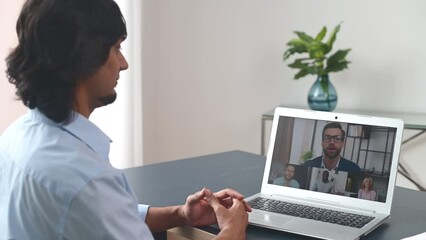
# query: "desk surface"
170,183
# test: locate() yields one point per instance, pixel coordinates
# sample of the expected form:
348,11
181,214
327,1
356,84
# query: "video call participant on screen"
324,184
333,140
287,180
366,191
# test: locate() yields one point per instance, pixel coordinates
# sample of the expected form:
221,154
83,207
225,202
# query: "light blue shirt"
56,183
283,182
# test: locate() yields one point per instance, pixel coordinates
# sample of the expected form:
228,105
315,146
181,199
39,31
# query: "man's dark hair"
60,42
289,165
334,125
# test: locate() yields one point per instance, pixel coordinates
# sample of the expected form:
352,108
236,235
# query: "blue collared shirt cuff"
143,211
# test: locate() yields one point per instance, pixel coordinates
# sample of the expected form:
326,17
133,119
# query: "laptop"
305,191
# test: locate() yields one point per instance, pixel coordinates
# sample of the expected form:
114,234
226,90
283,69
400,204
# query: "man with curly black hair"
56,181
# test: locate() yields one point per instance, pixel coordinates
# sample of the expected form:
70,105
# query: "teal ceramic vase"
322,96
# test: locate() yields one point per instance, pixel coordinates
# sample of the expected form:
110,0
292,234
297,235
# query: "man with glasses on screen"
333,140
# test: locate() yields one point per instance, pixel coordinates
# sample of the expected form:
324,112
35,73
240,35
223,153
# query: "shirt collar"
84,130
337,165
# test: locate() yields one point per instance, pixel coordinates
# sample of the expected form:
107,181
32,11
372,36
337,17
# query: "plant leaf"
298,63
318,62
320,36
305,71
296,46
303,36
332,37
338,66
317,49
288,53
337,61
338,55
301,73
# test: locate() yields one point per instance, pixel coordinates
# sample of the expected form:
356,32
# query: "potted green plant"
307,156
318,61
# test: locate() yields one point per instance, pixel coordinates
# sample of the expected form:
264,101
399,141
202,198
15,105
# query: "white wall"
10,108
211,68
121,121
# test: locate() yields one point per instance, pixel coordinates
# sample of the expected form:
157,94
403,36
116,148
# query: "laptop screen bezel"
335,200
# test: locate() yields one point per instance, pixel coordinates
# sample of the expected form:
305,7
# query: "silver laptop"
328,175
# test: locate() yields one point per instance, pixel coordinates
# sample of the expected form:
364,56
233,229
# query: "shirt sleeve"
106,209
143,211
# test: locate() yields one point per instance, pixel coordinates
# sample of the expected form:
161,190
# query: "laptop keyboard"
320,214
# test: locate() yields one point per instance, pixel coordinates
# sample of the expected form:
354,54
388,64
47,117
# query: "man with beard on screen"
333,140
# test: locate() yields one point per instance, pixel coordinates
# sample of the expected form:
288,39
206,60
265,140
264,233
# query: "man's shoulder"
348,165
279,180
294,183
314,162
51,155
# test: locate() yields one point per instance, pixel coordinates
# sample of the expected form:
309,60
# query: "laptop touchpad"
277,220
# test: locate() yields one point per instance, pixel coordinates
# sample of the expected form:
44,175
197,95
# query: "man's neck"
331,163
82,102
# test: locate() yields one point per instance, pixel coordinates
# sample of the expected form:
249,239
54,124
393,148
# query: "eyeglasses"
337,138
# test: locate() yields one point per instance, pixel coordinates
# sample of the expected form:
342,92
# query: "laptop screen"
346,159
